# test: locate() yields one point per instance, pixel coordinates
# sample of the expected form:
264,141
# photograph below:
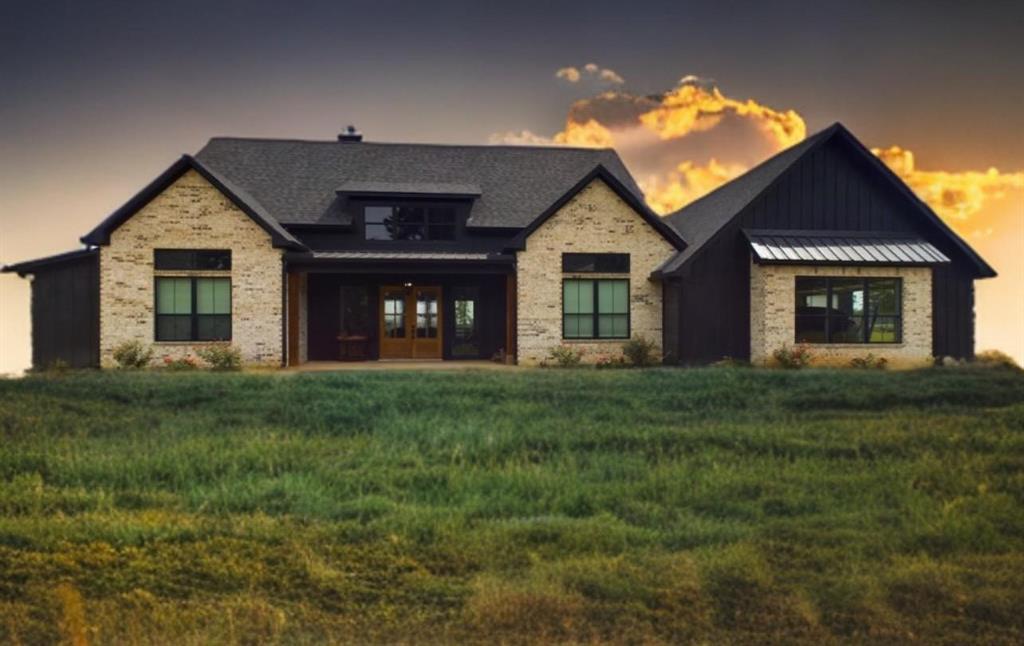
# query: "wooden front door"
410,322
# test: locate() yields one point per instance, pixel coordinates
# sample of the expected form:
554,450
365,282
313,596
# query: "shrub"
184,363
565,356
793,358
640,352
607,361
869,361
222,357
995,359
132,355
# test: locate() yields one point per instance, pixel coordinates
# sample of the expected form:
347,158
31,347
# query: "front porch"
396,365
421,315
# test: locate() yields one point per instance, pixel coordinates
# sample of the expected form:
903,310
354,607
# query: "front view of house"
297,251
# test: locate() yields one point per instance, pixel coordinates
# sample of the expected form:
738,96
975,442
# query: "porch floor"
400,364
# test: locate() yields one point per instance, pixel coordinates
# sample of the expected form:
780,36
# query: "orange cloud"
590,134
956,196
686,183
690,107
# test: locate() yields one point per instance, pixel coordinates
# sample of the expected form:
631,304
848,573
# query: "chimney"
351,135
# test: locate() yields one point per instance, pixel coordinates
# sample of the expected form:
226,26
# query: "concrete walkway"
399,364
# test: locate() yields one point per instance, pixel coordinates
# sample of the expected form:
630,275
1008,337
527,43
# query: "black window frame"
596,314
827,316
194,315
595,263
436,217
192,259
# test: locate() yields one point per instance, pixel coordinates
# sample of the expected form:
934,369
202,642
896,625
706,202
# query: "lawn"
659,506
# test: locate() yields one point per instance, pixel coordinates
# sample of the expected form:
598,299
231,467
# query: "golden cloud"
687,182
956,196
690,107
666,139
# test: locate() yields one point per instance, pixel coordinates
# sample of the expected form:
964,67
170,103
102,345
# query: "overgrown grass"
576,506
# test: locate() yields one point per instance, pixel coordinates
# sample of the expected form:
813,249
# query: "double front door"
410,322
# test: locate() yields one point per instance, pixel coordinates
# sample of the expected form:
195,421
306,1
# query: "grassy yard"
712,505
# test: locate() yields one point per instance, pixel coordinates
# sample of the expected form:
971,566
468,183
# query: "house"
300,251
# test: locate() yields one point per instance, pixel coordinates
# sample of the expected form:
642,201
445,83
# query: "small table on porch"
353,348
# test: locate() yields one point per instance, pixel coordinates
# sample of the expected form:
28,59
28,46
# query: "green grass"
659,506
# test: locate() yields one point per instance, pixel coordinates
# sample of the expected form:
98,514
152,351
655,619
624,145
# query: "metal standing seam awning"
841,248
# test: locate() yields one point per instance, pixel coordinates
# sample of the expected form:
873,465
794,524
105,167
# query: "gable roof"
238,196
620,189
297,181
701,220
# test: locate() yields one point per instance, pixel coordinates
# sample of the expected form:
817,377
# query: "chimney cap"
350,134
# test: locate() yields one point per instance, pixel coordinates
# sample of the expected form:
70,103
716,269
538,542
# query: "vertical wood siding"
65,314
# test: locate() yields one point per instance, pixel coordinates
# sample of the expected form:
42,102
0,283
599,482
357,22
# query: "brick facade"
191,214
772,316
595,220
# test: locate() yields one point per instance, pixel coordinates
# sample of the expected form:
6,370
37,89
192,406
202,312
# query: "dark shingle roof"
297,181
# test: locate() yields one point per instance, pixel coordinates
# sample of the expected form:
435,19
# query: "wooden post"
294,296
511,331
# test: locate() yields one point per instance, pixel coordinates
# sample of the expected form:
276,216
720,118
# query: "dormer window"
409,222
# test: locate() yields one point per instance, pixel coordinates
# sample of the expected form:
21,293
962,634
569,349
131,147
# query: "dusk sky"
99,98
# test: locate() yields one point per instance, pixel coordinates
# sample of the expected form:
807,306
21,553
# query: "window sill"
895,344
622,339
181,343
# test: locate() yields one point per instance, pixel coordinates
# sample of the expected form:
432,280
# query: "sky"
98,98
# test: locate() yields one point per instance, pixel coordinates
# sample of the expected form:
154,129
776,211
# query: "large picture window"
595,309
848,310
409,222
193,309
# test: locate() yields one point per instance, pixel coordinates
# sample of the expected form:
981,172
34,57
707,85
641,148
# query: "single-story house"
297,251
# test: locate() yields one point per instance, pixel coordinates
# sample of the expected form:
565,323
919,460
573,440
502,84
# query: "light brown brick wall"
773,325
595,220
191,214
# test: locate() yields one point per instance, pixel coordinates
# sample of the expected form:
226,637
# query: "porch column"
511,319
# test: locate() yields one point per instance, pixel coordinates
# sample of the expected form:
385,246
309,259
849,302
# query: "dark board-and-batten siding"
65,313
829,189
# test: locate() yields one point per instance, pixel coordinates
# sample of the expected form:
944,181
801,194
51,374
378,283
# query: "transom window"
595,309
192,259
193,309
595,263
848,310
409,222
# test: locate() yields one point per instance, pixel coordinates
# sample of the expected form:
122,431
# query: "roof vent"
351,135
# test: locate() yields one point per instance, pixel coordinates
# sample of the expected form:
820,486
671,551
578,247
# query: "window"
848,310
409,222
192,259
595,263
193,309
466,342
595,309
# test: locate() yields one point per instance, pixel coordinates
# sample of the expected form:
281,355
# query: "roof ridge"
412,143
